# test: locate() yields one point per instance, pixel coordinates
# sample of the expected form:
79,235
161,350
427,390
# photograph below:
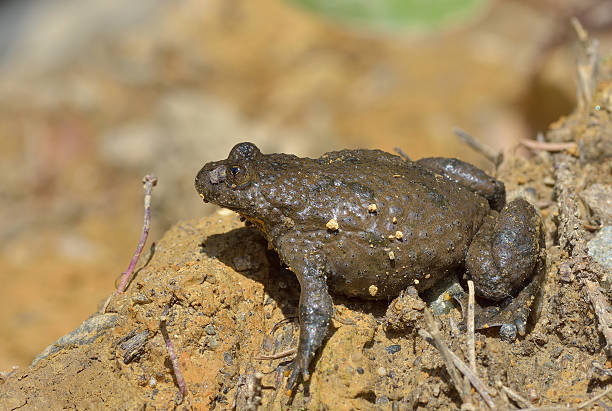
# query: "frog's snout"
207,178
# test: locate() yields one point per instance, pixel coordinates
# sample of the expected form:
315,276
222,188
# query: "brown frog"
369,224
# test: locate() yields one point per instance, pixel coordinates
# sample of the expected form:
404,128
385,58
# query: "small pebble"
381,371
392,349
394,220
210,329
391,255
373,290
372,208
227,357
399,235
359,370
332,225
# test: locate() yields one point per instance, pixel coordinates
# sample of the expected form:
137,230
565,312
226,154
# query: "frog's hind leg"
469,176
506,262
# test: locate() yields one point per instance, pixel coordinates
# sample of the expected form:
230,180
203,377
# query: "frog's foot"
511,316
316,309
504,260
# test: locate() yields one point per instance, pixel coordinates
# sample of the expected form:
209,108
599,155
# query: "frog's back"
399,224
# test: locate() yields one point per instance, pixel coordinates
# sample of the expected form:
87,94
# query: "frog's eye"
238,176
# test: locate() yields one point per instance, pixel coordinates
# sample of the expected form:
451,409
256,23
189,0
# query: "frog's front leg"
504,260
315,312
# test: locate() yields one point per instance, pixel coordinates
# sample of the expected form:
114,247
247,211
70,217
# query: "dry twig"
278,355
516,397
576,408
602,310
471,343
149,182
172,354
454,363
401,153
5,375
586,66
496,157
470,339
545,146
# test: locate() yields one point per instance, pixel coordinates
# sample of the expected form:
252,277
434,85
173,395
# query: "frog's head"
228,183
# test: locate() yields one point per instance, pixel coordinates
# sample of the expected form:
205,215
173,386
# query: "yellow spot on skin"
372,208
391,255
332,225
399,235
373,290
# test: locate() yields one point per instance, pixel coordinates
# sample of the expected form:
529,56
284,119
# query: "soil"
230,301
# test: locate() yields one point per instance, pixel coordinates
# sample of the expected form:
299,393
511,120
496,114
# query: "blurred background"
94,94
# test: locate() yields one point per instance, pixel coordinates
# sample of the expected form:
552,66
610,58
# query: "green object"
417,14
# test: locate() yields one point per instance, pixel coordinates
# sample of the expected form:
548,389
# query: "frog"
370,224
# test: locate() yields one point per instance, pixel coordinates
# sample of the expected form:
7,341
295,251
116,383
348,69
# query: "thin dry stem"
545,146
467,387
576,408
278,355
173,357
496,157
471,342
602,310
586,67
516,397
149,182
5,375
454,363
401,153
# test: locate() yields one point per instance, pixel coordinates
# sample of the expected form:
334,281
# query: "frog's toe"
512,317
293,377
508,332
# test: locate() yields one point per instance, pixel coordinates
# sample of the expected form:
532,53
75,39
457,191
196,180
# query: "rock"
599,199
86,333
600,247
